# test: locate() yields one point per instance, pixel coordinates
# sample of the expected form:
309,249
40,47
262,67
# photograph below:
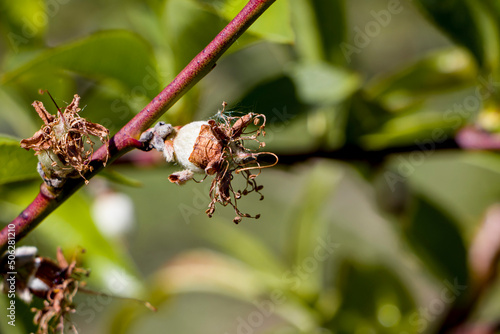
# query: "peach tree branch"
126,138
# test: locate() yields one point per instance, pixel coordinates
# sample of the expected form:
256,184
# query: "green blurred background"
367,223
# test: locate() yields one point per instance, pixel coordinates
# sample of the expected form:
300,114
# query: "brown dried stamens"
58,299
61,142
235,157
215,147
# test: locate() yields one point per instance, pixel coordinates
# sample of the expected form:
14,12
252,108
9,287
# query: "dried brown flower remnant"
62,287
63,144
55,282
215,147
235,157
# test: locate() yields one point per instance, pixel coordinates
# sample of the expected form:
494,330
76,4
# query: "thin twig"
125,139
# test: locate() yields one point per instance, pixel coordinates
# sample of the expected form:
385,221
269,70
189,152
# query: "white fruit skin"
184,143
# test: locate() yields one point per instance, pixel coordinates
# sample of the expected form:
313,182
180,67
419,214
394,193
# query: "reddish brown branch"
123,140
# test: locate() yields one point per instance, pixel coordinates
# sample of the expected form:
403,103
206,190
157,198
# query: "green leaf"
470,24
331,21
120,55
243,246
120,178
185,36
365,115
14,115
308,43
409,128
436,178
273,25
374,299
221,274
25,22
436,73
17,163
321,83
308,225
284,97
436,238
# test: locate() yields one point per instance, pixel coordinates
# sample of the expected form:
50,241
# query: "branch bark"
126,138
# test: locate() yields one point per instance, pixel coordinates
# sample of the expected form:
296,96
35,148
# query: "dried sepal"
63,144
207,150
181,177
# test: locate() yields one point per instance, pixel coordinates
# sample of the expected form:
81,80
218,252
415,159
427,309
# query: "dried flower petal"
215,147
54,282
63,144
235,157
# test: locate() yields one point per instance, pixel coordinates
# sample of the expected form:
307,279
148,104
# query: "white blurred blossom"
113,213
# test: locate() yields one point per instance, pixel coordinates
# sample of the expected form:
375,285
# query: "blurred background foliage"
371,242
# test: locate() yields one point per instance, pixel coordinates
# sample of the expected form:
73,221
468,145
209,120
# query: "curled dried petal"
63,143
231,132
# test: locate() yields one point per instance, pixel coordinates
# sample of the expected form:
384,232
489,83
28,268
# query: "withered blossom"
215,147
63,144
58,301
54,282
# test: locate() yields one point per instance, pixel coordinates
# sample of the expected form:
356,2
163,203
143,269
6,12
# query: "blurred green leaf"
119,178
408,129
243,246
273,25
206,271
470,24
321,83
365,115
14,116
331,21
121,55
436,179
280,106
436,73
308,225
308,37
373,300
437,239
216,272
185,36
17,163
26,23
